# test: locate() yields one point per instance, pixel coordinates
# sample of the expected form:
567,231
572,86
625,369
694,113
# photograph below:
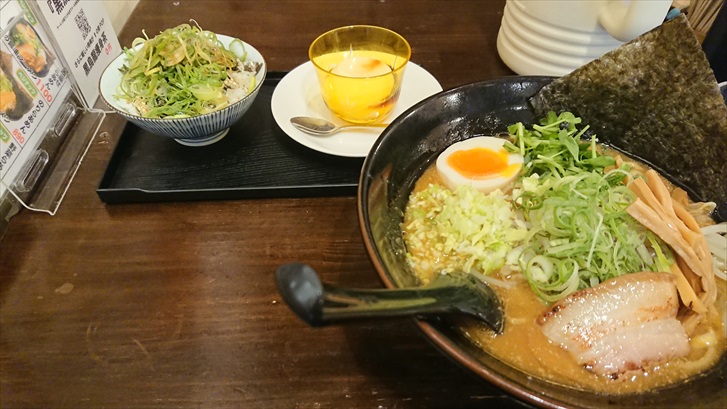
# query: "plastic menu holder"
46,91
47,173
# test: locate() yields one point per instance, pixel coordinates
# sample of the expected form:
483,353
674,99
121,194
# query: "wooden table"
171,305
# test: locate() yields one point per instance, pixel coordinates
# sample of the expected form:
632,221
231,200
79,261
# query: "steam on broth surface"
524,344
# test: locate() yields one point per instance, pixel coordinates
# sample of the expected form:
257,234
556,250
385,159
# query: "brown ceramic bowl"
400,155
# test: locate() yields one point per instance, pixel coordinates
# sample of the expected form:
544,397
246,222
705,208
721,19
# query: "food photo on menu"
14,99
29,48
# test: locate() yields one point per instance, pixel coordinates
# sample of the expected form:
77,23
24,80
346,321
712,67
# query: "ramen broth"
524,345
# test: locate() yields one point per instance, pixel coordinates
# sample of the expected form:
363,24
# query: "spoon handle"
341,304
372,125
321,304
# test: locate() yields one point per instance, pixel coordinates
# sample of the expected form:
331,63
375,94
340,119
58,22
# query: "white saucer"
298,94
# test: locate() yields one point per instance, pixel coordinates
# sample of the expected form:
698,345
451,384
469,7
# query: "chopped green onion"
580,234
183,71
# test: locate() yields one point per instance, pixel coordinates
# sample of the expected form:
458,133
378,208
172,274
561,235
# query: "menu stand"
47,123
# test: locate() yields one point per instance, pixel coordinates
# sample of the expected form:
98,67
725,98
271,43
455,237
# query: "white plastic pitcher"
543,37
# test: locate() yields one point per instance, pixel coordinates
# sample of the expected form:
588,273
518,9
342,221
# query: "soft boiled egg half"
480,162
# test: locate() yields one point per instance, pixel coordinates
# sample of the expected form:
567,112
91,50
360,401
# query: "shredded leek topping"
184,71
580,234
462,230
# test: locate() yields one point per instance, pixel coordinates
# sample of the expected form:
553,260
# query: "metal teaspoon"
321,127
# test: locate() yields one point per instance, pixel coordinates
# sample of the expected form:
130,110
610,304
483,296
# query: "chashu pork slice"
619,325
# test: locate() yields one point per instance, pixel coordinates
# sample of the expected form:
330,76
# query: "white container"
542,37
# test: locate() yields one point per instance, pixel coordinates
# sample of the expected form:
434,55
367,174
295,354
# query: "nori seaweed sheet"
656,98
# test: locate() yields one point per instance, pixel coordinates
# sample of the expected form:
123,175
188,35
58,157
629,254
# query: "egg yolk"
479,163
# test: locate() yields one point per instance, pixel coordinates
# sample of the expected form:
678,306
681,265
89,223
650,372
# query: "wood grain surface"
173,305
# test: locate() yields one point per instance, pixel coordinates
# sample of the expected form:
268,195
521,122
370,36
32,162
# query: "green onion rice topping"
184,71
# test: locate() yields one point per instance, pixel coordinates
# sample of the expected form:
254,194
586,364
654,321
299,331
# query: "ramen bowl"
397,159
197,130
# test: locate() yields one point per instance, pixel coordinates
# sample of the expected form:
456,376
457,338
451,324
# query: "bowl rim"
122,56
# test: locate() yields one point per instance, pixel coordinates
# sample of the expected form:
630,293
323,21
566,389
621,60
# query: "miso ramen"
607,278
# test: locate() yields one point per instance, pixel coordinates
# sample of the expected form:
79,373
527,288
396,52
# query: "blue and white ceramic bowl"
192,131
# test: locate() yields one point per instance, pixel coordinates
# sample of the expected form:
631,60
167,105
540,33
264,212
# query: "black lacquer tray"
255,160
